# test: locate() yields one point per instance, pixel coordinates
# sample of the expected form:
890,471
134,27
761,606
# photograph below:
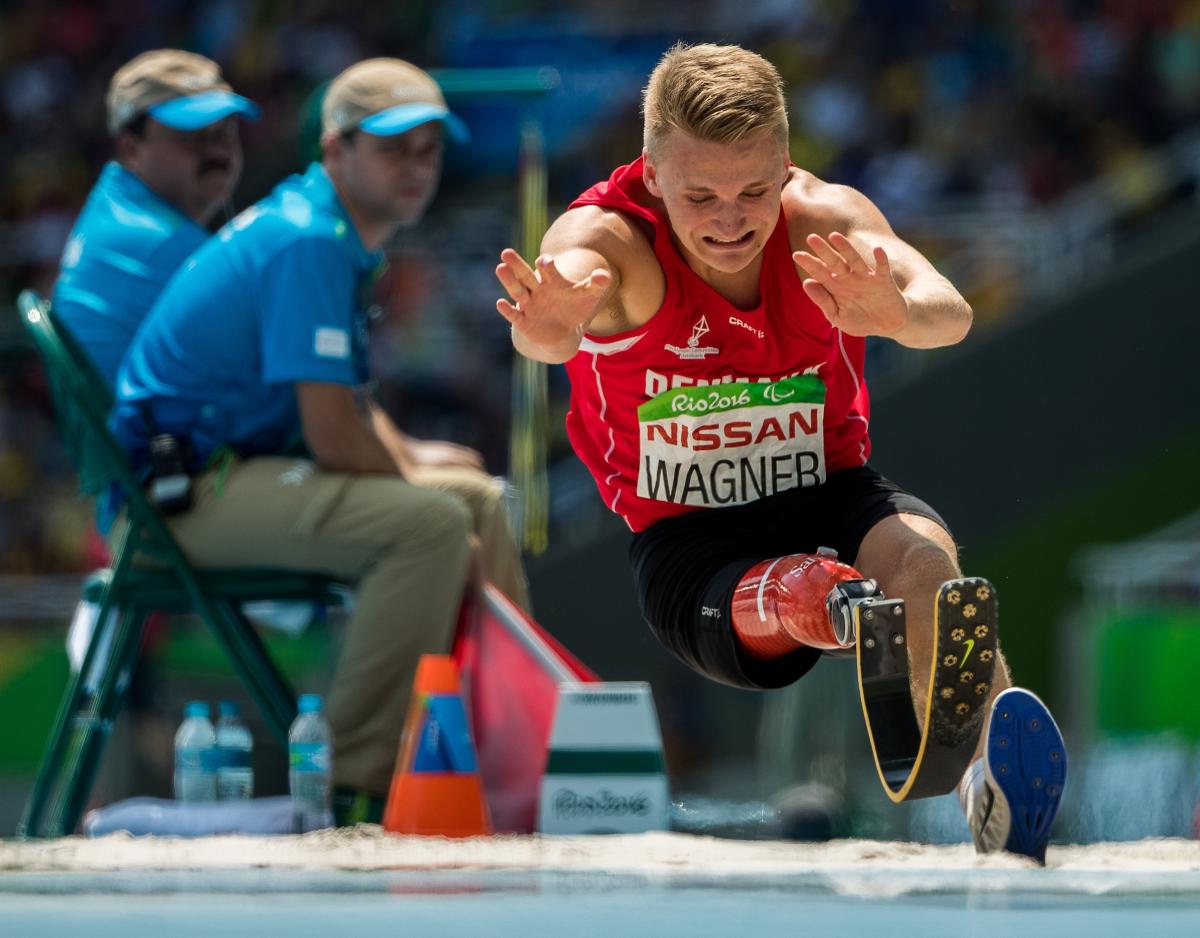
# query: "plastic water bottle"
195,755
310,760
235,777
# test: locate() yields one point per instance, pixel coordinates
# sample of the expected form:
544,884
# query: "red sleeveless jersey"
708,405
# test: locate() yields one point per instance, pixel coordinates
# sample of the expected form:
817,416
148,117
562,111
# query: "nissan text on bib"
729,444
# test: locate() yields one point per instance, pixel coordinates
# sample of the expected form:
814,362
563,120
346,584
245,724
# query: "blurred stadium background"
1045,154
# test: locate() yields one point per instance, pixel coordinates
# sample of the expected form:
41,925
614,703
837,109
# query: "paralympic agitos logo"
572,804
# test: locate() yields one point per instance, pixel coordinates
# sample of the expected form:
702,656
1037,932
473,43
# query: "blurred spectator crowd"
928,107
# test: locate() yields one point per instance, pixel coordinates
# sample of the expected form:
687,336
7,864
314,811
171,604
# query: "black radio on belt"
170,486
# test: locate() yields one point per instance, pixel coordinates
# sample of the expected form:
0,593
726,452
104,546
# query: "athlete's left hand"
438,454
854,296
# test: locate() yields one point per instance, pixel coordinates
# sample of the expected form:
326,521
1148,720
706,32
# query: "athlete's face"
722,199
193,170
387,181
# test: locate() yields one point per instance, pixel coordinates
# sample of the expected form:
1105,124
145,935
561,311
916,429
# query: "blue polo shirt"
126,244
277,296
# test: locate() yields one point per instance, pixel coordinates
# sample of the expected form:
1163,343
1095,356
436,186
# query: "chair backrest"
82,400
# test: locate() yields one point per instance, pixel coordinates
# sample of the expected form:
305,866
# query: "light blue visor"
200,110
404,117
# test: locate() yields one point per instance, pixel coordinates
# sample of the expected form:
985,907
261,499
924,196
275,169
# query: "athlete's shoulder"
624,242
598,227
813,205
600,236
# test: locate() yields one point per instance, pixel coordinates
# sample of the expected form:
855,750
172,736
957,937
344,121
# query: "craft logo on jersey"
742,324
729,444
694,349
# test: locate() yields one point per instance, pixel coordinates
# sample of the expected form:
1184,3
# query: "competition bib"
729,444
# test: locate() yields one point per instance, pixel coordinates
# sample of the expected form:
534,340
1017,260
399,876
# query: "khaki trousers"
499,555
406,548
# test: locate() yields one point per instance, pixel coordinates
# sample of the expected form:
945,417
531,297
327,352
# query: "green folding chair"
149,574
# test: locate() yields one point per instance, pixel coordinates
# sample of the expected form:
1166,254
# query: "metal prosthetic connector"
841,603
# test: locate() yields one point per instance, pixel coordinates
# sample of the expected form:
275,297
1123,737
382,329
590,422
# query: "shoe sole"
1025,762
965,668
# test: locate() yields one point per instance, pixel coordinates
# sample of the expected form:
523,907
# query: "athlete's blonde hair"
723,94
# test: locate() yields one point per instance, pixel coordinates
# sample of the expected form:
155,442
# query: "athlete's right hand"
548,309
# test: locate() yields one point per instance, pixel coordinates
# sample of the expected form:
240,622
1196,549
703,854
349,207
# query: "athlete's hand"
857,298
547,308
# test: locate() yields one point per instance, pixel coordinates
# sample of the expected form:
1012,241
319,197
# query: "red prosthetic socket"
779,605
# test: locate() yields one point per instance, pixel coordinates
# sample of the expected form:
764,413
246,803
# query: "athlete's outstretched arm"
868,281
573,280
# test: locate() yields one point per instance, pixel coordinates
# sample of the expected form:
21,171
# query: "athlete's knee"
900,552
928,558
905,546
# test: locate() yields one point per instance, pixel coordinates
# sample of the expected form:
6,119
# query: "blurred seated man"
177,159
259,343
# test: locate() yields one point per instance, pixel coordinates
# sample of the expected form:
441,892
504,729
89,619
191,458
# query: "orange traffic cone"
436,788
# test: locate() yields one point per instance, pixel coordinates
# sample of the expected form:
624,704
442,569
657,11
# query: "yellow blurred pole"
530,407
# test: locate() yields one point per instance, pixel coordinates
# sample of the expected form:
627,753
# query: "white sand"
369,848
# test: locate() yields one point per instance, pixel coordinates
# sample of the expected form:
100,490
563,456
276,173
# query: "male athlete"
710,301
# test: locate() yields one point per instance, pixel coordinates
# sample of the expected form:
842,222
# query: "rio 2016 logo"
572,804
713,400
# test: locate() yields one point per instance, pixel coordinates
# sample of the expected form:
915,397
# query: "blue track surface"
231,903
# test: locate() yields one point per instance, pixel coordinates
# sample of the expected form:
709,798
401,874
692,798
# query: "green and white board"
605,771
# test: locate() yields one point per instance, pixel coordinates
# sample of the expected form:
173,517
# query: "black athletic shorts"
686,568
